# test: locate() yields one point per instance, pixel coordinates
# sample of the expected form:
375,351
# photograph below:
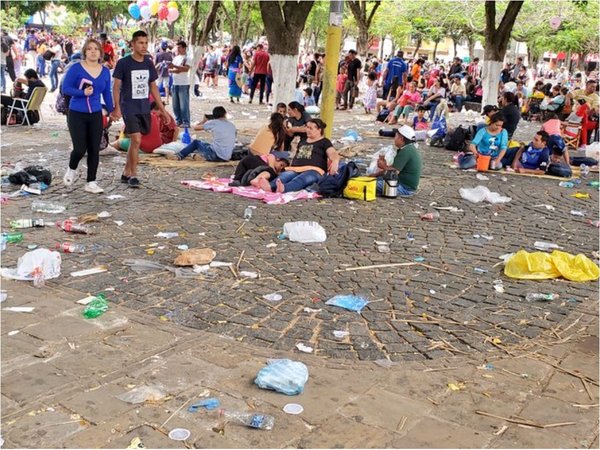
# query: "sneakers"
70,177
93,188
125,179
134,182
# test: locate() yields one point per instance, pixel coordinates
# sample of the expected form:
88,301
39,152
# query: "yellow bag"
541,266
361,188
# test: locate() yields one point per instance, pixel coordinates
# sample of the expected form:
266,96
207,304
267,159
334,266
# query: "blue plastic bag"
283,375
439,124
349,302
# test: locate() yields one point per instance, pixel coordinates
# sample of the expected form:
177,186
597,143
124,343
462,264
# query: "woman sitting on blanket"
161,132
270,137
314,157
252,168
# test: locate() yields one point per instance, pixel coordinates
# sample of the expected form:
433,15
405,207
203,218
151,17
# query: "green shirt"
408,163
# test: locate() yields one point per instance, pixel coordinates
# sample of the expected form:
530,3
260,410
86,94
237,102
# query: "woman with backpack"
85,82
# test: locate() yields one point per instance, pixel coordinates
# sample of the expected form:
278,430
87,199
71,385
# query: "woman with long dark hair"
234,63
270,137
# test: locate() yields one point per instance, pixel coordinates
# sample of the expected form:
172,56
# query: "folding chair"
34,103
572,134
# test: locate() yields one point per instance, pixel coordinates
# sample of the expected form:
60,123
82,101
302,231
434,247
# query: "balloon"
172,5
163,12
163,2
555,23
145,12
134,10
154,7
139,3
143,3
173,14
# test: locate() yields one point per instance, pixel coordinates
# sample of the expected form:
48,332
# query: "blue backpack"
333,185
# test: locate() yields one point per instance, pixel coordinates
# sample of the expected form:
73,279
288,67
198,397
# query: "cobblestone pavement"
416,312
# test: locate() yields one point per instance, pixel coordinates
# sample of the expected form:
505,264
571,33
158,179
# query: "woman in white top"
436,93
57,51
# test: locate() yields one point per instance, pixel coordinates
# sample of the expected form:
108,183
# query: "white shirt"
57,50
181,78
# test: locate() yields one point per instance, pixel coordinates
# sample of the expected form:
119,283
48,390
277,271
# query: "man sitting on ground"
224,136
533,158
407,163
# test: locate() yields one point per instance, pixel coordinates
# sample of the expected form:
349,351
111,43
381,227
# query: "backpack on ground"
385,112
457,140
333,185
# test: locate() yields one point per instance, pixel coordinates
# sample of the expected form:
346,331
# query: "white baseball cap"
407,132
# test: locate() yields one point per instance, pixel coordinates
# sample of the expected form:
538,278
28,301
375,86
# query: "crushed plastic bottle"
71,226
584,170
39,280
96,307
47,207
27,223
536,297
430,216
13,238
248,212
252,420
69,247
567,184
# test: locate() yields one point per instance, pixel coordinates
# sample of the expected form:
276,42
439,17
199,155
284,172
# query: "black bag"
559,170
383,115
333,185
104,139
31,174
437,141
239,152
62,105
48,55
457,140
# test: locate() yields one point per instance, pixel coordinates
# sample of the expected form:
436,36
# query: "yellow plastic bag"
541,266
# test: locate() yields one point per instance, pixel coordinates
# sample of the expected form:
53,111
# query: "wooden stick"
241,226
573,374
440,369
239,261
587,389
525,422
383,266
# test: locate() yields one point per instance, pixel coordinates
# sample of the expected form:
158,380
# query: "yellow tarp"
541,266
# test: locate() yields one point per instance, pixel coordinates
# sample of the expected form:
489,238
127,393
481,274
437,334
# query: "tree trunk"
496,43
435,47
362,43
199,37
417,47
454,47
284,19
380,52
471,45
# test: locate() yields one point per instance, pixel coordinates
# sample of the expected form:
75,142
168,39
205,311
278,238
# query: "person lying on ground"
407,163
553,126
490,141
270,137
314,157
161,132
224,136
252,168
532,158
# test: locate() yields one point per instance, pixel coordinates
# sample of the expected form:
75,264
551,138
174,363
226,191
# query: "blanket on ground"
271,198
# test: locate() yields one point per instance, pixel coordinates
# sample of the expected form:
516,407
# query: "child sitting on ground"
309,100
252,168
419,120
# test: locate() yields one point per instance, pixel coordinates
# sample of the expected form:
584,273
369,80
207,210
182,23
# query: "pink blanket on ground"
271,198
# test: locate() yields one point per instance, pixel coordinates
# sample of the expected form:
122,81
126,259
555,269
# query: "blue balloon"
134,10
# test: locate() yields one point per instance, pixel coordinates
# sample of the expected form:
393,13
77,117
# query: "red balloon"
163,12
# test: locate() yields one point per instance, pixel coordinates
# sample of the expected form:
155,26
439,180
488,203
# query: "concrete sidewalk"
61,374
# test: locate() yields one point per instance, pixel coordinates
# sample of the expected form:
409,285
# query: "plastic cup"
483,162
179,434
293,408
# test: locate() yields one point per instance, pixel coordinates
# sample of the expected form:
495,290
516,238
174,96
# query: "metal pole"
332,53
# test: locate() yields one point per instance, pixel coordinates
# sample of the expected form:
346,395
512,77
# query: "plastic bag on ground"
283,375
143,394
349,302
482,193
541,266
305,232
43,258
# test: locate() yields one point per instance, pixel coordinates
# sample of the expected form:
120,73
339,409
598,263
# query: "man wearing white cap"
407,163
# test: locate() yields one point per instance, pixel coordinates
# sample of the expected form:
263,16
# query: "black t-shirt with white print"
312,154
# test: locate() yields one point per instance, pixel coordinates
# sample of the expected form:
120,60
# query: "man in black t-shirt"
351,88
31,80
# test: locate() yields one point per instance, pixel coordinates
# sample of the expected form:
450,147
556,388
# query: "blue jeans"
296,181
54,74
432,106
467,161
201,147
458,101
402,190
509,156
41,66
181,104
3,77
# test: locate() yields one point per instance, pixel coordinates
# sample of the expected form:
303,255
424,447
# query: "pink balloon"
163,12
173,14
143,3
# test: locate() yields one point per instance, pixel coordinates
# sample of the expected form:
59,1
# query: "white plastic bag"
389,152
283,375
482,193
593,150
305,232
43,258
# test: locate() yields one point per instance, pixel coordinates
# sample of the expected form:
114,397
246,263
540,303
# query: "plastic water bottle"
96,307
12,238
248,213
185,137
567,184
3,243
47,207
535,297
584,171
27,223
69,247
73,227
252,420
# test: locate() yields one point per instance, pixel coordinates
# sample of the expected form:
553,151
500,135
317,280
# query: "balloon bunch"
162,9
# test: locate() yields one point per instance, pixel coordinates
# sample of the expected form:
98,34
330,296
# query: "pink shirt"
552,126
407,96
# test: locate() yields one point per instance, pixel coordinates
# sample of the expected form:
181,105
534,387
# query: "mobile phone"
209,116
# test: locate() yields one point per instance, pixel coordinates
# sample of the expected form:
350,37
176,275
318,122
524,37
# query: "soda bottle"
69,247
13,238
535,297
185,137
27,223
252,420
73,227
96,307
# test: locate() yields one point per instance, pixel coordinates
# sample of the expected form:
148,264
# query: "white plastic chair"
33,103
